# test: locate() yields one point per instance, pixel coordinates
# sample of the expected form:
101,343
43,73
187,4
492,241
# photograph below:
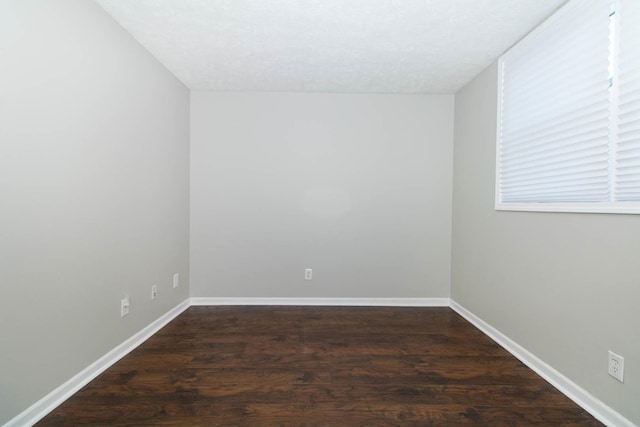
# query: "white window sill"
609,208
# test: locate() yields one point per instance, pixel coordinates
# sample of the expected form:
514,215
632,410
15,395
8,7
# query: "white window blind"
627,161
569,112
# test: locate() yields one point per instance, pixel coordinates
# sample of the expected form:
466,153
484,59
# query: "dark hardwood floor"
328,366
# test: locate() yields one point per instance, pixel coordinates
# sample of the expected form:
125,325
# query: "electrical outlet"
616,366
308,274
154,292
124,306
176,280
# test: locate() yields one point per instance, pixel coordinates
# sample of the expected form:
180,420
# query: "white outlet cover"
154,291
124,306
176,280
616,366
308,274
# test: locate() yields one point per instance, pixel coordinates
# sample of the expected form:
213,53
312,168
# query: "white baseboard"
377,302
38,410
586,400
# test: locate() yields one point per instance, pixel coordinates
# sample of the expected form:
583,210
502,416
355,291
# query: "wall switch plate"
124,306
616,366
308,274
154,292
176,280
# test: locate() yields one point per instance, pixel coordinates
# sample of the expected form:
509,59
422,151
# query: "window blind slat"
631,153
520,87
590,110
536,88
628,146
559,193
575,183
519,90
589,174
578,133
571,159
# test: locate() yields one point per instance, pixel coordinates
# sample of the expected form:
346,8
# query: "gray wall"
93,192
564,286
357,187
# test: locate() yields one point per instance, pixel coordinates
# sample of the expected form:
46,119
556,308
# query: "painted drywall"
93,192
564,286
365,46
356,187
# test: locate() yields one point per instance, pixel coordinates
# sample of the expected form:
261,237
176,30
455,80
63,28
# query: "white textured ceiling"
372,46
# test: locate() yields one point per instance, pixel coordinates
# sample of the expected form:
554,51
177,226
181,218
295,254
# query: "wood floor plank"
319,366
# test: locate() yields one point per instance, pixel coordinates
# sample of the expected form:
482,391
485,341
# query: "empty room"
332,213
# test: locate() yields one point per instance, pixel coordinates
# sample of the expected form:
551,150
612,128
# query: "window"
569,113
